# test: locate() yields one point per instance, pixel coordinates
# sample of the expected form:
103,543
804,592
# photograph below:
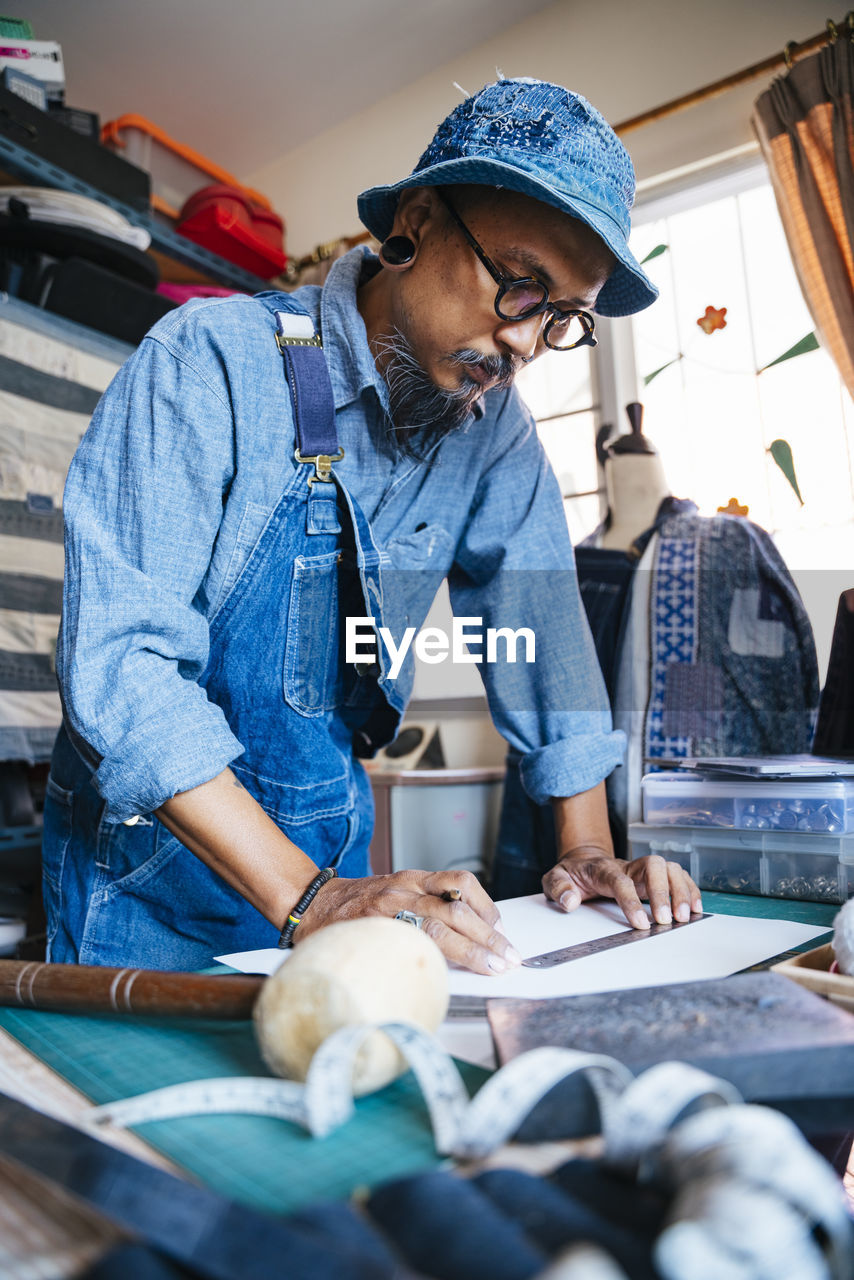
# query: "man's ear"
417,210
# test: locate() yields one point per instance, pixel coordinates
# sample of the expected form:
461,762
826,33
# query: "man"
206,767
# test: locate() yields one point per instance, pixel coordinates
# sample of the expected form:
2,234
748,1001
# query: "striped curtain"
50,381
805,126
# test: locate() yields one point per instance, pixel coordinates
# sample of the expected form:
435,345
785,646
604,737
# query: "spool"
843,938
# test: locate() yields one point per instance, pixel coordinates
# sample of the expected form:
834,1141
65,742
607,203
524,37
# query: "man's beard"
420,412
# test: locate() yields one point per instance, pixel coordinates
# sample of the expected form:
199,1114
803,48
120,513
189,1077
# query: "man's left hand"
585,874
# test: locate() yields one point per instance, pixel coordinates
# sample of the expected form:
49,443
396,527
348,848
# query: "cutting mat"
266,1163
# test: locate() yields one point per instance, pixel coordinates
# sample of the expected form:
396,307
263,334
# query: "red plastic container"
224,220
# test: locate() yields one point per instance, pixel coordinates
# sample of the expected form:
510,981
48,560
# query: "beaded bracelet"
287,934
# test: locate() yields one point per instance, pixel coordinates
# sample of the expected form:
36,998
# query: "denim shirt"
186,457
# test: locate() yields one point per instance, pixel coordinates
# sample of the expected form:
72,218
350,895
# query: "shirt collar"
352,368
351,364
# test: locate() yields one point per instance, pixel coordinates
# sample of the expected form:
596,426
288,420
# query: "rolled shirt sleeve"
514,569
143,504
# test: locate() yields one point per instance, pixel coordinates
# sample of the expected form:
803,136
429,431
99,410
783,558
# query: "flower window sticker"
713,318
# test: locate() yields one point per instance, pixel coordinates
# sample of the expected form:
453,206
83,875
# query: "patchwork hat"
548,143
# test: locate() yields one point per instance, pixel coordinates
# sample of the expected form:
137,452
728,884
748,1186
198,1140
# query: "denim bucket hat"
548,143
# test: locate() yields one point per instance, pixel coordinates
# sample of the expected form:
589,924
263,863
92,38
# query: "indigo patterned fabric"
733,662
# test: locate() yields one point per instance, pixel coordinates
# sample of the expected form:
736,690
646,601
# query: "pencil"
451,895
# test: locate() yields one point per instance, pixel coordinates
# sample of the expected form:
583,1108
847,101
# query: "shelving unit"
19,162
178,260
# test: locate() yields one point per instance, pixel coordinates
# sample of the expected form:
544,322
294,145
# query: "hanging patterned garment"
718,658
706,649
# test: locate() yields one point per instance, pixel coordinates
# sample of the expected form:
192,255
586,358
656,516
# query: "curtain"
805,126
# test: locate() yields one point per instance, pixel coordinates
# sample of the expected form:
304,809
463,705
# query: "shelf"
28,837
102,345
22,163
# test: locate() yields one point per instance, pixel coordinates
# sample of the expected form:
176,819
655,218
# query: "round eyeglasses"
520,297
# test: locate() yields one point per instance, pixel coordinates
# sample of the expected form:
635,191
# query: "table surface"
263,1162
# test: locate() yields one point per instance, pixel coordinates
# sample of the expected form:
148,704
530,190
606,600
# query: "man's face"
441,307
448,305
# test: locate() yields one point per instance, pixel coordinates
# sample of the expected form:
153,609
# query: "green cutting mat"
743,904
269,1164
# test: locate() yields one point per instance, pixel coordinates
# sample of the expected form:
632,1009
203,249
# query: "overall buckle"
322,463
283,341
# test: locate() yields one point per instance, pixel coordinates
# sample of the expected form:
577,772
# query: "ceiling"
245,82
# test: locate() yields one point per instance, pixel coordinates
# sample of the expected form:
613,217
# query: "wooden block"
811,969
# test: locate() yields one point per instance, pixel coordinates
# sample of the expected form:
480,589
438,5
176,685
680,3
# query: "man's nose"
521,337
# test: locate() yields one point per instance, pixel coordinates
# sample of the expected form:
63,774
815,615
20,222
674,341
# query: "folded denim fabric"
635,1208
446,1228
552,1218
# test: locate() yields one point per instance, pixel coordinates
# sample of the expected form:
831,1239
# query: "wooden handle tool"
75,988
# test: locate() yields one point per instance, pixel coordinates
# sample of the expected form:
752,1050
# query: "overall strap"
310,389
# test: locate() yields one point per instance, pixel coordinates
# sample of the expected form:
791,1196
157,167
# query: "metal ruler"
580,950
465,1007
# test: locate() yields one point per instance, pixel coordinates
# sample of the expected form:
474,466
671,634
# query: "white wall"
626,57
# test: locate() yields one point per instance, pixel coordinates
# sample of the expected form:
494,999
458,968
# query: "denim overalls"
119,894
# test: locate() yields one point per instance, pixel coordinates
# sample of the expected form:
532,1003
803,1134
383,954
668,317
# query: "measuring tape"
660,1126
463,1128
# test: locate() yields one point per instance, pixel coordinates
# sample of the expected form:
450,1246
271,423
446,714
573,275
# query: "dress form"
635,485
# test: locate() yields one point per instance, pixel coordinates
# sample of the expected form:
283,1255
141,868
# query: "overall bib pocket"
312,665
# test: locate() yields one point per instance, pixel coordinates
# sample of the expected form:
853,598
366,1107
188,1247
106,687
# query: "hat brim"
626,290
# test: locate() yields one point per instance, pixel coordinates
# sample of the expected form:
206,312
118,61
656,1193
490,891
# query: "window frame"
614,368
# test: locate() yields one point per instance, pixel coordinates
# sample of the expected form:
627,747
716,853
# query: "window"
558,389
720,400
714,402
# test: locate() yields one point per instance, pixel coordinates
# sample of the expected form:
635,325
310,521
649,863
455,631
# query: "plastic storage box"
177,171
776,864
226,221
815,806
56,144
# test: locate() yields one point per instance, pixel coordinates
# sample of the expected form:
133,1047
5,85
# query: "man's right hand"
464,928
226,827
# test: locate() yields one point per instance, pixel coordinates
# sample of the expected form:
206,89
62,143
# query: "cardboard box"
41,59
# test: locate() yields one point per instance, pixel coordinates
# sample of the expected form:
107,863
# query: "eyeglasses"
520,297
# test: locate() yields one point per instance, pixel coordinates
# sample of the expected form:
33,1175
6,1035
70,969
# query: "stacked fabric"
45,204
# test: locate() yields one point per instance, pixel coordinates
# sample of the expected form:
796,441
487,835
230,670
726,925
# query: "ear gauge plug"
397,251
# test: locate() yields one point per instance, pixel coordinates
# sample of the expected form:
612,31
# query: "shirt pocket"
414,565
429,545
312,664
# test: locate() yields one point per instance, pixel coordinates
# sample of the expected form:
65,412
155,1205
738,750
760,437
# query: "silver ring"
409,917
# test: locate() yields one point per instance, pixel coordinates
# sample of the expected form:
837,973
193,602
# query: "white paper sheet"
265,961
712,948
